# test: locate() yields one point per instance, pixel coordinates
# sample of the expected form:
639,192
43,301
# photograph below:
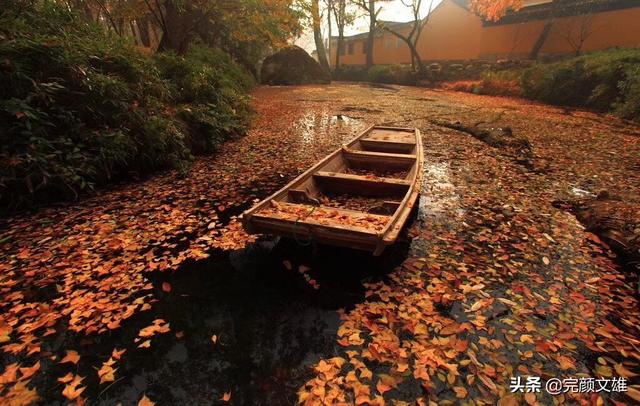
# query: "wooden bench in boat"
382,165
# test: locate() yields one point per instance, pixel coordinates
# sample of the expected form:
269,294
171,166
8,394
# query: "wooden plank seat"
361,185
400,147
382,160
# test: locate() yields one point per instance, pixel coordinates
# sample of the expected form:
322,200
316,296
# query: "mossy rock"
292,66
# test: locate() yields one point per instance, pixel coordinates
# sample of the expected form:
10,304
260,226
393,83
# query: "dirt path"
496,282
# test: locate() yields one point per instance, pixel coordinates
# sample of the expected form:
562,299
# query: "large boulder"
292,66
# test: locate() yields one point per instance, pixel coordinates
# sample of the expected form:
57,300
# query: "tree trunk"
372,27
329,5
544,35
143,29
134,34
175,36
340,47
317,35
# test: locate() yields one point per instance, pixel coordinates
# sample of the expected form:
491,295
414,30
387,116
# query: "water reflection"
439,197
322,127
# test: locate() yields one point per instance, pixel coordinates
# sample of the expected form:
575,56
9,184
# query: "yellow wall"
389,49
612,28
454,33
358,57
451,33
608,29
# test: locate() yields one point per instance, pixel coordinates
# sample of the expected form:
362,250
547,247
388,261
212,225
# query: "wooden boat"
360,196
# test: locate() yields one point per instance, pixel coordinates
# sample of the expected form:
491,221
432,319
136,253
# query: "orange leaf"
28,372
530,398
449,329
460,391
509,400
145,401
72,356
633,393
145,344
624,372
117,353
226,397
214,339
382,387
166,286
66,379
565,362
72,391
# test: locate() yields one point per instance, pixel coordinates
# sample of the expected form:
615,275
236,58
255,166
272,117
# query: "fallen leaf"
66,379
145,401
72,390
624,372
72,357
530,398
29,372
461,392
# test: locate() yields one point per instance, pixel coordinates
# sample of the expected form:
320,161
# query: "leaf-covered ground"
152,289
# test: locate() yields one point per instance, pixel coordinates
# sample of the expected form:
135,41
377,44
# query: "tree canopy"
495,9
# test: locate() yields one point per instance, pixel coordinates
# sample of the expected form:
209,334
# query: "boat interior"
372,174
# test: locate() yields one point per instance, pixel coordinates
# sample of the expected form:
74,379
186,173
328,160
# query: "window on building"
388,43
350,48
399,42
341,49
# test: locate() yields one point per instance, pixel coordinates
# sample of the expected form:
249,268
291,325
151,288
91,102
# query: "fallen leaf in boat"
226,397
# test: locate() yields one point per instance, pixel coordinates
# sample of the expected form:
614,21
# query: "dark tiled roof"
562,8
462,3
378,31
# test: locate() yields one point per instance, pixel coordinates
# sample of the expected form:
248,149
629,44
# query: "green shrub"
79,108
210,92
603,81
629,104
397,74
352,73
